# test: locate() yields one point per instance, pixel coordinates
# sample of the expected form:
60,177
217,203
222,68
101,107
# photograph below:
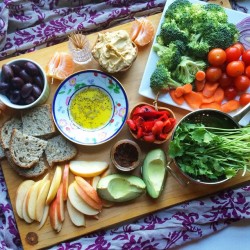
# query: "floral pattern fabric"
29,25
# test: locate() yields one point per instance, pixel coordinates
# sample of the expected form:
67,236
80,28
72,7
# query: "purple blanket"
30,25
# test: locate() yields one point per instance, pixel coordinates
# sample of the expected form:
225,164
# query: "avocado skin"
154,172
120,187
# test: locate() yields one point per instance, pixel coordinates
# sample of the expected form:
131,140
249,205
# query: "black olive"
38,81
31,68
26,90
15,96
7,73
17,82
16,69
30,99
36,92
25,76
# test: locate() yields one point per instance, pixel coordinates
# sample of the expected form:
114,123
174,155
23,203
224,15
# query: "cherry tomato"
244,99
235,68
241,83
217,57
225,80
232,54
247,71
246,57
240,46
213,74
230,93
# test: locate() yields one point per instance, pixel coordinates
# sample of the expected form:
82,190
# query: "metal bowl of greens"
210,147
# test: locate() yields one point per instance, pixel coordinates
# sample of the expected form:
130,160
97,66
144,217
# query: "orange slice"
60,66
142,31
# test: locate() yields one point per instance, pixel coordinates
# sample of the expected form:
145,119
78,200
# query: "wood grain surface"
173,194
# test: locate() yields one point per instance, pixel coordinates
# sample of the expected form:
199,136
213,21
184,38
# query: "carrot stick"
200,75
219,95
199,85
212,105
230,106
193,99
177,100
209,88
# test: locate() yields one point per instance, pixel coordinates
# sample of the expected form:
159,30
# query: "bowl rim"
84,72
4,98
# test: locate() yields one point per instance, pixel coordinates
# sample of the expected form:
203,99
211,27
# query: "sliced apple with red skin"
22,190
53,215
55,183
83,194
65,181
44,217
60,203
90,192
41,199
76,217
78,203
87,168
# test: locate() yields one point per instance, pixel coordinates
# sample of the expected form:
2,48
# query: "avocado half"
154,172
120,187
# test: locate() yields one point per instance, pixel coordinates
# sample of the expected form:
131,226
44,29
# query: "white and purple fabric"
29,25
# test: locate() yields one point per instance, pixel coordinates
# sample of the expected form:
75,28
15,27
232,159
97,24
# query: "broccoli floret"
170,32
179,11
221,36
186,70
216,13
161,79
197,47
170,55
182,47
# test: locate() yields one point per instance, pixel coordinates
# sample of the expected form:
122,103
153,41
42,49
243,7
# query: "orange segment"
135,29
60,66
146,32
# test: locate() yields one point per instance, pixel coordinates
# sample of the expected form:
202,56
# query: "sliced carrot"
182,90
200,75
193,99
206,99
230,106
212,105
209,88
199,85
177,100
219,95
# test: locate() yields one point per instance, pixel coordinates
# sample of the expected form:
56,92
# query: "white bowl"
41,99
77,130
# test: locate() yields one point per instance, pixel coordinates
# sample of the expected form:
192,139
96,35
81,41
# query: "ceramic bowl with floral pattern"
90,107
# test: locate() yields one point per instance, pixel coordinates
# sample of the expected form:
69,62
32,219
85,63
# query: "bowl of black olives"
23,84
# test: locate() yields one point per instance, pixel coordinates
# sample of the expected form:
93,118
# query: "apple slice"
24,208
83,194
32,199
78,203
54,185
88,168
65,181
22,190
106,172
54,221
60,203
41,200
77,218
94,181
44,217
90,192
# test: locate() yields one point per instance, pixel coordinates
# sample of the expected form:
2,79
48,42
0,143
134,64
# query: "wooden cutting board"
173,194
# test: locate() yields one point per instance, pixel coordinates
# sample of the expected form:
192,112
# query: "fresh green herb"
209,153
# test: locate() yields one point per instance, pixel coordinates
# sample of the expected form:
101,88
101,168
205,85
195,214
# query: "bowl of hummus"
114,51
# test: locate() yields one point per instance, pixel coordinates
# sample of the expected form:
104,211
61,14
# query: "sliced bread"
2,154
26,150
6,130
39,122
37,170
59,149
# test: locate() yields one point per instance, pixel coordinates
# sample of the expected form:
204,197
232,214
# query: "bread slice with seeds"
59,149
39,122
6,130
26,150
37,170
2,153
